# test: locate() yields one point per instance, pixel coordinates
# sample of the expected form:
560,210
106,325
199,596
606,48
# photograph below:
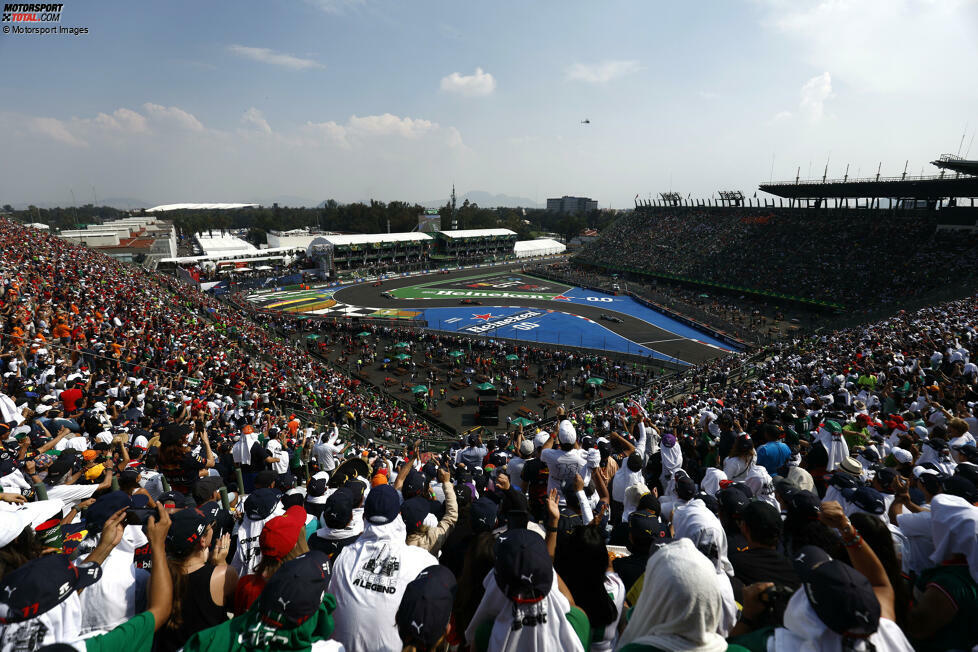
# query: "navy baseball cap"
382,505
42,584
523,568
426,607
174,500
645,527
732,500
841,596
186,528
296,590
338,509
483,515
866,499
805,503
413,485
414,511
260,504
104,507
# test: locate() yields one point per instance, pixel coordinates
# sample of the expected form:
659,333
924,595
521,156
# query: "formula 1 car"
611,318
376,284
470,302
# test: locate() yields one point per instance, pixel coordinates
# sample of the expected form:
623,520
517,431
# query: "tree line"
358,217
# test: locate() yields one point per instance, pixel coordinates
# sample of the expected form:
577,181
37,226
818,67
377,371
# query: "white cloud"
265,55
56,130
599,73
477,84
122,119
174,116
814,94
256,119
882,45
369,126
782,115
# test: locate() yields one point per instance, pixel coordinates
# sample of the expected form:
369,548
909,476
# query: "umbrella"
704,296
512,357
417,389
402,356
595,381
313,336
386,360
485,386
468,370
363,334
521,421
456,354
401,345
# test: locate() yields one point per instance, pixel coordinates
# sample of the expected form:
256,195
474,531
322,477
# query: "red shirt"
70,398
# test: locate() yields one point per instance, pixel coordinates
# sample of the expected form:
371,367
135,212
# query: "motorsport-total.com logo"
32,13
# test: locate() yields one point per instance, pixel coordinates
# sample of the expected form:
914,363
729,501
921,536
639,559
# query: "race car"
376,284
611,318
386,295
470,302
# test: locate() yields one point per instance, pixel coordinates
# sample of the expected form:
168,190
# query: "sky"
305,100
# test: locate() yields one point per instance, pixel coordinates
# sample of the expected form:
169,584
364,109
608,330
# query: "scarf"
241,451
680,606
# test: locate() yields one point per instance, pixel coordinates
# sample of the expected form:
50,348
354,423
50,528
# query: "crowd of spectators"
822,499
856,259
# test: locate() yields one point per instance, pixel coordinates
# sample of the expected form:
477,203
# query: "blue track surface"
630,306
534,325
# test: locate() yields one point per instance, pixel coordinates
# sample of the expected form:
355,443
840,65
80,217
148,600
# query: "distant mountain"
485,200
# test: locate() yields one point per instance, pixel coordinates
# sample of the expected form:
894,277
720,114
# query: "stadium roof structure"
369,238
956,164
198,207
476,233
924,188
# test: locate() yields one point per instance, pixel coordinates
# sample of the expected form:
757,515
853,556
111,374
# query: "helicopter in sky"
586,121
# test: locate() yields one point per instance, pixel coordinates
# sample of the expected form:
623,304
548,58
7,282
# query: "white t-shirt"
565,466
275,450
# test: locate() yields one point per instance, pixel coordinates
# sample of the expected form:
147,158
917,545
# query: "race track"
518,306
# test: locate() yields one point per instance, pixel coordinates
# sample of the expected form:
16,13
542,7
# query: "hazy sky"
397,99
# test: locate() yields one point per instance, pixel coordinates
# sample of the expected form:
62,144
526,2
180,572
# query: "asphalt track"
631,328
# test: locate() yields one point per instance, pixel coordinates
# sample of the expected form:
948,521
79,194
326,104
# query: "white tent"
539,247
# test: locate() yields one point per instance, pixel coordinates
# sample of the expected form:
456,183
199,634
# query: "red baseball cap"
281,533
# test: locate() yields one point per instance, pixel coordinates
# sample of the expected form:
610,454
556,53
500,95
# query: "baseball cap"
104,507
685,487
841,596
42,584
866,499
566,432
413,511
338,509
426,606
280,534
316,491
526,448
523,569
186,528
762,519
260,504
958,485
296,590
174,500
413,484
382,505
540,440
205,487
483,514
645,527
805,503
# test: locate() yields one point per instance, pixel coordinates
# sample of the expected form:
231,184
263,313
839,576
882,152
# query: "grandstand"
397,251
476,244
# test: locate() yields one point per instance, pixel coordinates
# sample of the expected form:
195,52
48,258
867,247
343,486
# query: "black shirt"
764,565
